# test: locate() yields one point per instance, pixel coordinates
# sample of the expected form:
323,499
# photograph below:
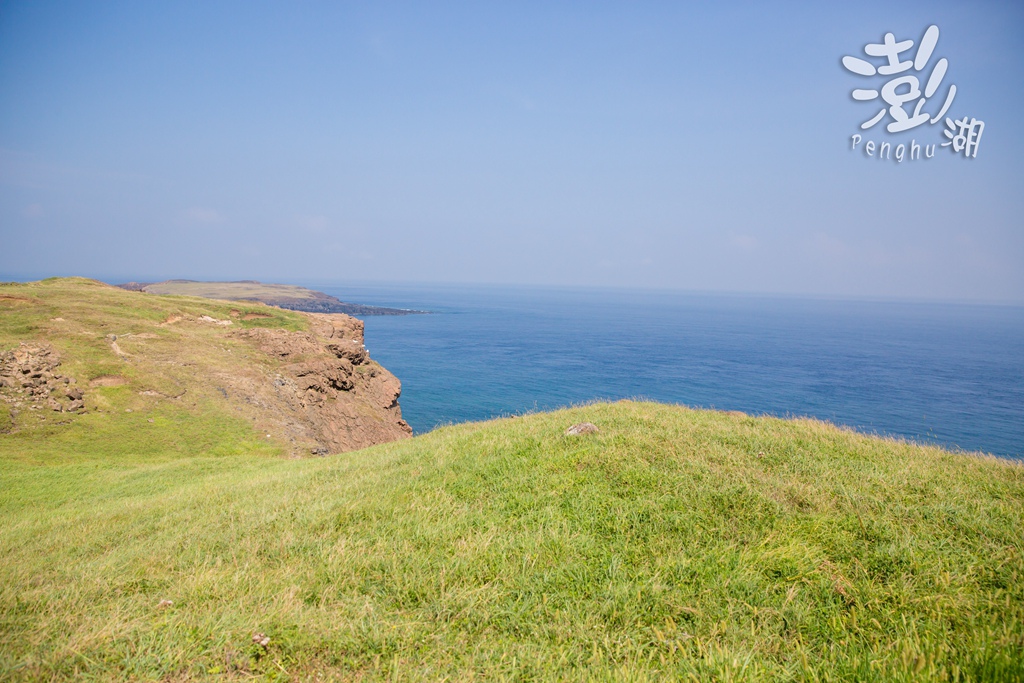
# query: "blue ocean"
933,373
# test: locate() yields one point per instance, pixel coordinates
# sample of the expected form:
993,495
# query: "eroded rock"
28,379
582,428
342,400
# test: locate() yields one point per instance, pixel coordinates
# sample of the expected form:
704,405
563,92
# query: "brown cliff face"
326,390
75,350
317,392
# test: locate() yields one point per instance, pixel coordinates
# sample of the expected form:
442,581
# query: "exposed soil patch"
176,392
215,321
107,381
11,300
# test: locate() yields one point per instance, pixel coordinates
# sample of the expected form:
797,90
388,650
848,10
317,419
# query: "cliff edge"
292,297
74,351
325,389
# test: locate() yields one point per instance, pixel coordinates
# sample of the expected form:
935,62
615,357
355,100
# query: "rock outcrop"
318,392
326,386
29,380
303,381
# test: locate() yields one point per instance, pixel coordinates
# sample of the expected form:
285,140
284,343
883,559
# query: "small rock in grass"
261,639
581,428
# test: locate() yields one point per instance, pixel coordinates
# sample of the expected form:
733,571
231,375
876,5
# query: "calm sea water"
936,373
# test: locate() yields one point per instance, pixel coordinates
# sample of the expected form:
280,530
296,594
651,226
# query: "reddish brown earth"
316,391
326,389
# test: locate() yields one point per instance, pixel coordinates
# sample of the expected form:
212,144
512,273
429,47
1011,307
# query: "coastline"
291,297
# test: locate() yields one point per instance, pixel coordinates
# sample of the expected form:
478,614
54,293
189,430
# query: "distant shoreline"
291,297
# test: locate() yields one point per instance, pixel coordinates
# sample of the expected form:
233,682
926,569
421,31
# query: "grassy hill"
169,374
673,544
291,297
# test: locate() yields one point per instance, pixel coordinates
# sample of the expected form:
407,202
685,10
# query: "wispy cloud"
826,245
315,224
205,216
512,96
745,242
33,211
381,45
873,254
34,171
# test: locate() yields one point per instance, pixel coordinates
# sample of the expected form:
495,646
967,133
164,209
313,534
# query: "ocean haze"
613,145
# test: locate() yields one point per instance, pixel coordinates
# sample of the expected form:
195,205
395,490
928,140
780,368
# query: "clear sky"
653,144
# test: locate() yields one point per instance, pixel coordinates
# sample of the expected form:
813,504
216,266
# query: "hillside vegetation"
673,544
86,367
285,296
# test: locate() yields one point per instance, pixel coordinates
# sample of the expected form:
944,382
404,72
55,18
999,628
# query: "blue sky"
593,144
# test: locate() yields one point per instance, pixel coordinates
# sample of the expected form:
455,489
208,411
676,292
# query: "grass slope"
231,290
674,544
157,360
291,297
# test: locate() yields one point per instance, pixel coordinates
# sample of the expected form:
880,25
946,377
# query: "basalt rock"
29,379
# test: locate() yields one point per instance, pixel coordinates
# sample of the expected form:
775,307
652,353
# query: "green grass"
672,545
175,359
663,546
231,290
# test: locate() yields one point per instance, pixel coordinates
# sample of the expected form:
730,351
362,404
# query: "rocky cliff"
325,388
74,350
